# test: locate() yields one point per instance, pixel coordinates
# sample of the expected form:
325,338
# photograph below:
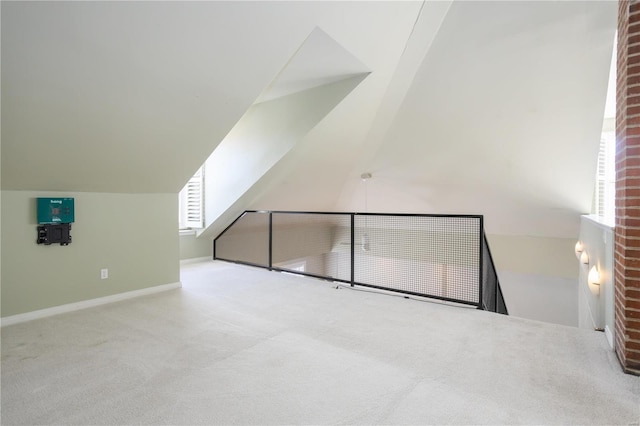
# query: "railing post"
353,252
495,277
481,281
270,240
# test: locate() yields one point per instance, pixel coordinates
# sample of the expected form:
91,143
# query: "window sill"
602,222
186,232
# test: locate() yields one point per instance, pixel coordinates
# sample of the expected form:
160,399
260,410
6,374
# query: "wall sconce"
584,258
579,249
594,276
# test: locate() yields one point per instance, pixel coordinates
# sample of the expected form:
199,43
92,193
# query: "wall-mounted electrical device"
55,216
51,234
55,210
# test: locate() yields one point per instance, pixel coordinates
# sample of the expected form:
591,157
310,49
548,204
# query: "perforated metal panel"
246,240
433,256
313,244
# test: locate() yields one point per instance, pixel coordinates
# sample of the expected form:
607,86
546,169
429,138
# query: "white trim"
609,335
195,260
186,232
71,307
586,293
598,220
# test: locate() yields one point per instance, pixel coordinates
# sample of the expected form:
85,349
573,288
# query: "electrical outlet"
104,274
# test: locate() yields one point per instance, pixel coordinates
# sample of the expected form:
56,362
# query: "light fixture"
594,276
584,258
579,249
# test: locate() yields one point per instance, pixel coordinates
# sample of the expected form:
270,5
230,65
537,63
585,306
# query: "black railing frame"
480,264
498,293
480,305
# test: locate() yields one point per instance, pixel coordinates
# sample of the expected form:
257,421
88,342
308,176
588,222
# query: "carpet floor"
239,345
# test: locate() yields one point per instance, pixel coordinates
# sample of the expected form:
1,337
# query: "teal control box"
55,210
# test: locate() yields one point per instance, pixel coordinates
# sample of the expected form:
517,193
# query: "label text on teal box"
55,210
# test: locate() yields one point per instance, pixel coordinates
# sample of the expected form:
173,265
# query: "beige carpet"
238,345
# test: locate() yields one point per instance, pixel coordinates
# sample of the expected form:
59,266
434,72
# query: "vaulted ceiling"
470,107
133,96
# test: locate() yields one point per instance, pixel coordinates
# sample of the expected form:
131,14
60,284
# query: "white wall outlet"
104,274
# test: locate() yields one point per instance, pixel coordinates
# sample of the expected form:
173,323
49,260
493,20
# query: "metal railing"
443,257
493,299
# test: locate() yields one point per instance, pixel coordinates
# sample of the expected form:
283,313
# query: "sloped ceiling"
133,96
502,118
320,60
471,107
312,175
319,76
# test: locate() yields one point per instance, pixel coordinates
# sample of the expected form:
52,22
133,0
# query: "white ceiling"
471,107
504,117
318,61
133,96
317,78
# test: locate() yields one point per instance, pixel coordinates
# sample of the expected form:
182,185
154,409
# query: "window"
605,191
604,196
191,200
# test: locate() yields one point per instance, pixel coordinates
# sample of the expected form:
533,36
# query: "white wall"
193,247
538,277
133,235
596,302
540,297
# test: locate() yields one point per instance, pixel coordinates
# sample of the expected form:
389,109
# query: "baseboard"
63,309
609,334
195,260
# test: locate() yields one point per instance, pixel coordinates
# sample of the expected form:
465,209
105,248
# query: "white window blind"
191,202
605,177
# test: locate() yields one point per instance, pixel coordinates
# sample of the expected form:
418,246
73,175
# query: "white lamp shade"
584,258
594,275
